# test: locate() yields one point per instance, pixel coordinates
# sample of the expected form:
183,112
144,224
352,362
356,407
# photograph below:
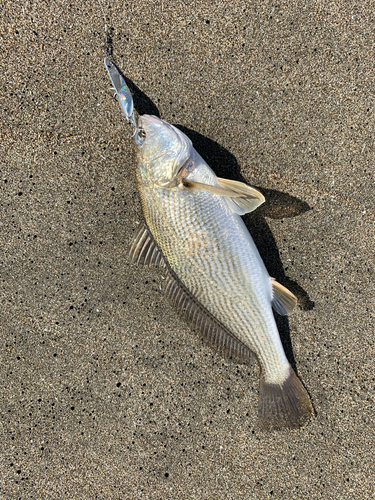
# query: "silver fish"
215,275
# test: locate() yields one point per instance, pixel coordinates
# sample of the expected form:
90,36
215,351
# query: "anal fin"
283,300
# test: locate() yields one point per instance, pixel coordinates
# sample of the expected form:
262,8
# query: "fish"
215,277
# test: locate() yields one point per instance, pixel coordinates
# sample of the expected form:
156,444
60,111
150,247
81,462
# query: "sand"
106,392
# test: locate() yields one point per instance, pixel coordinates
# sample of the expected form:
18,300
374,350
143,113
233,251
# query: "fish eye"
140,136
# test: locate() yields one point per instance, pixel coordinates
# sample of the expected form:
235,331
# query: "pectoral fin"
240,197
283,301
244,198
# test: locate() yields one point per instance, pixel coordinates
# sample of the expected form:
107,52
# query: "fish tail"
284,405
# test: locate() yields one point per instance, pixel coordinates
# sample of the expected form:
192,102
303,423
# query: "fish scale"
215,275
230,277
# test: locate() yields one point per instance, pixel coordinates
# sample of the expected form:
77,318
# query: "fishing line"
107,48
123,93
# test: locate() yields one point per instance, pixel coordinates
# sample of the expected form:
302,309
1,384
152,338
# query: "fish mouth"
180,154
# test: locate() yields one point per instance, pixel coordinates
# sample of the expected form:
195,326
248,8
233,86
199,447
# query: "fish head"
162,149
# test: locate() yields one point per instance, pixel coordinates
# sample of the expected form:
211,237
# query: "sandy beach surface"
105,392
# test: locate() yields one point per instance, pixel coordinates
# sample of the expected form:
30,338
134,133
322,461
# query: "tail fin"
285,405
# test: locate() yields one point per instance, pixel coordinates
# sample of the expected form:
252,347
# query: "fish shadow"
278,205
142,103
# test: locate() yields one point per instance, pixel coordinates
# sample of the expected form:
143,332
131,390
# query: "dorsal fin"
144,249
208,327
283,300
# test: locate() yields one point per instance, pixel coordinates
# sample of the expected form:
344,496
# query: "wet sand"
106,392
